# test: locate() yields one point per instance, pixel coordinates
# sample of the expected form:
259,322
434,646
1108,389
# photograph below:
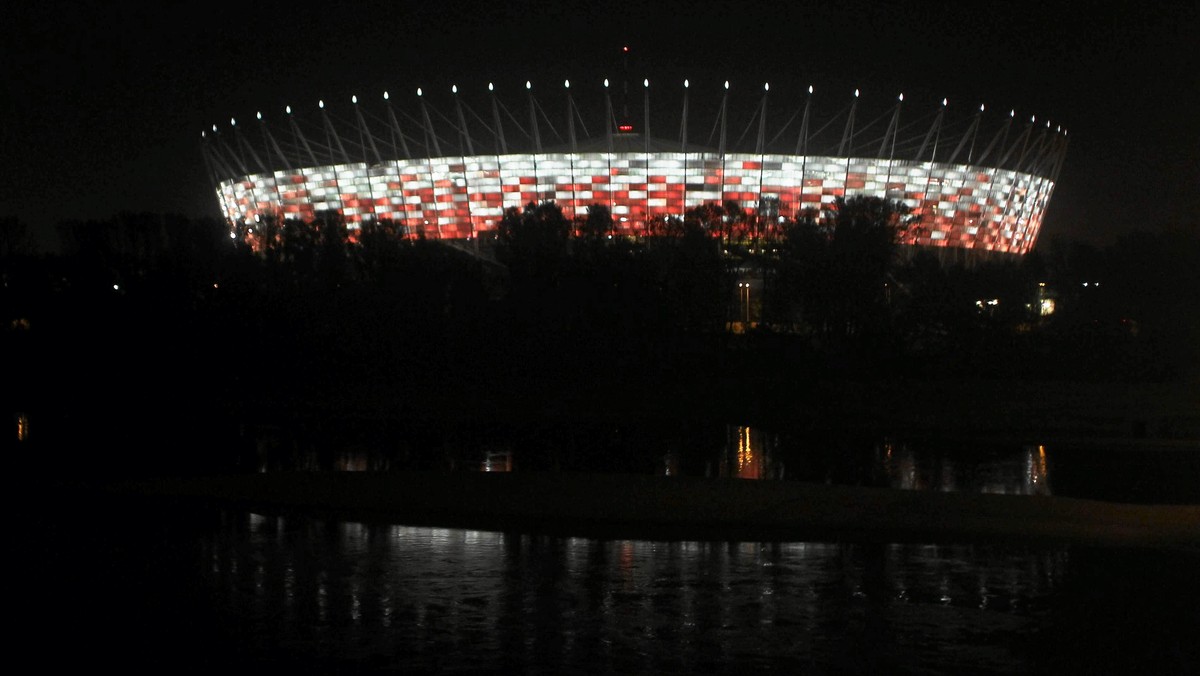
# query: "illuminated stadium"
447,166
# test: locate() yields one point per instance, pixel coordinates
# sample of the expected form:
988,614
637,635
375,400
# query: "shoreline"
637,507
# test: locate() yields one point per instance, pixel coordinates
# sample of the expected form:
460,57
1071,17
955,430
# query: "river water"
200,590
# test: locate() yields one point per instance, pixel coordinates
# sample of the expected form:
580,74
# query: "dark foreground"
226,575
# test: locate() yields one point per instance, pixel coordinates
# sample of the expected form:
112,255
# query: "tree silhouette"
15,238
598,224
835,271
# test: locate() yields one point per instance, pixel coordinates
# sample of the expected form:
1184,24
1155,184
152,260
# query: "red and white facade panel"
957,205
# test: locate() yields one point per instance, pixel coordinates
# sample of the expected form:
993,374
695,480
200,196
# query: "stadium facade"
969,184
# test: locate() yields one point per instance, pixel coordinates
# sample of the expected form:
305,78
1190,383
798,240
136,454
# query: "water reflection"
438,599
22,419
497,460
754,453
745,452
750,454
1023,471
118,582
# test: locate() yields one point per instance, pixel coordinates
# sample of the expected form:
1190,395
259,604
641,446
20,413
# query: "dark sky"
103,103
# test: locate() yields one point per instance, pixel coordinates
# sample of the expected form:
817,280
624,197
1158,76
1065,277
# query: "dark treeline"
145,315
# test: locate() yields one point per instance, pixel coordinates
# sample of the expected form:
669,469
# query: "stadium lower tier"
955,205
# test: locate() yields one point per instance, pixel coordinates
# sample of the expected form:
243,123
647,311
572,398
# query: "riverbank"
613,506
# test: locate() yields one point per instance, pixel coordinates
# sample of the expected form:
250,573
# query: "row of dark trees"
163,333
321,314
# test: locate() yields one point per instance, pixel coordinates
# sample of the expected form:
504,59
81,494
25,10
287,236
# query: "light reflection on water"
428,598
749,453
1020,470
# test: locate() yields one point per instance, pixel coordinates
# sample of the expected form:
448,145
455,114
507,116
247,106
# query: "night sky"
103,103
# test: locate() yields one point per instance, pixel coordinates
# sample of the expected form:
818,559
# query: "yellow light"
22,427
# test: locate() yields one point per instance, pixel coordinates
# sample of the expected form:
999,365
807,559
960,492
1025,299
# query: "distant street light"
744,299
